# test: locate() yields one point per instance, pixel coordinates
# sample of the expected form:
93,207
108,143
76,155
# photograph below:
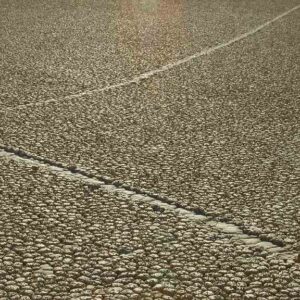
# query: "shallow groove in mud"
158,202
161,69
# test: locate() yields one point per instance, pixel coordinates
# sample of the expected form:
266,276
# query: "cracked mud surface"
54,48
157,202
181,186
62,239
219,134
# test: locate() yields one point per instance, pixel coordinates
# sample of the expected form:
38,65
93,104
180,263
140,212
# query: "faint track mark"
164,68
158,203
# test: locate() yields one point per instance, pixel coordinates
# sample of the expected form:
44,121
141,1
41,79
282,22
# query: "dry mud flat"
218,134
66,237
52,48
181,183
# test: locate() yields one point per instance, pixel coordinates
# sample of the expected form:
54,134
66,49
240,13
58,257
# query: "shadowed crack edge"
158,202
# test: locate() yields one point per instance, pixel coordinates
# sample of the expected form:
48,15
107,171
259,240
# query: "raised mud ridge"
158,202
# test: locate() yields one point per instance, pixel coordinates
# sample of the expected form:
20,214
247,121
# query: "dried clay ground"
149,149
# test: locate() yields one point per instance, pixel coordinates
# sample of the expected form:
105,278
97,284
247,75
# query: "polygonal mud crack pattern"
60,239
71,51
158,203
219,134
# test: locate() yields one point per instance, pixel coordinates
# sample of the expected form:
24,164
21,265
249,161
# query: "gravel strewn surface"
55,48
62,239
220,133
